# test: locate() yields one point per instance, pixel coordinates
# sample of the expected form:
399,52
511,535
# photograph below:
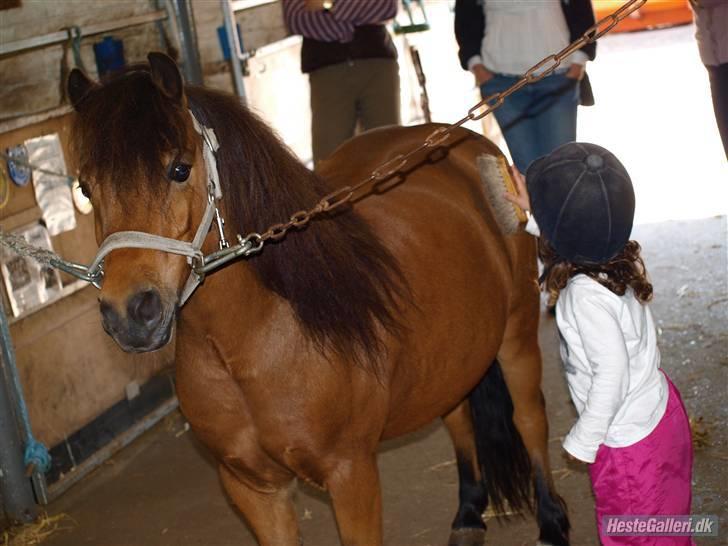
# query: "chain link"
255,241
538,71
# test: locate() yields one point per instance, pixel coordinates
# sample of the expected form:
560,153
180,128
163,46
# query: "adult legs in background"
365,90
378,98
519,131
719,90
554,112
537,118
333,108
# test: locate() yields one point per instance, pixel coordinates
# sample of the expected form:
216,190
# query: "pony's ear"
166,76
79,86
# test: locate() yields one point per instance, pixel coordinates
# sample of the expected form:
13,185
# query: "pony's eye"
180,172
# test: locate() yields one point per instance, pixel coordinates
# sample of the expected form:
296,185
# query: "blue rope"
37,455
35,452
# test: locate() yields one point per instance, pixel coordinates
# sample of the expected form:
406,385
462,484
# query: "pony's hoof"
467,537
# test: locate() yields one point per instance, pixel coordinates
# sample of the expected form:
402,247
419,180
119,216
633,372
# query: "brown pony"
367,324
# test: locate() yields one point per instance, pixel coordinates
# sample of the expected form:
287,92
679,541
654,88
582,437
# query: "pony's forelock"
125,129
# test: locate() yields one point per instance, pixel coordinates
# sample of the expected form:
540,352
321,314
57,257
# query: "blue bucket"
109,54
222,37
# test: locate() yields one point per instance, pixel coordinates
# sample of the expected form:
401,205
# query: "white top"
519,33
609,350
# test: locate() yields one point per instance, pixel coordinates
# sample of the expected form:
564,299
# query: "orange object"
654,14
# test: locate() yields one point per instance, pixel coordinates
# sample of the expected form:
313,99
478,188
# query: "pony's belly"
438,388
453,337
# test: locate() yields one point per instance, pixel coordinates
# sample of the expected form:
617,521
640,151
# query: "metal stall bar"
237,56
188,42
231,30
15,488
89,30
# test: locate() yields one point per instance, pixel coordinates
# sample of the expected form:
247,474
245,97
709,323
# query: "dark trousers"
719,89
363,91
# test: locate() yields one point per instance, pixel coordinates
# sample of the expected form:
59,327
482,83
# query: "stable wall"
70,369
30,83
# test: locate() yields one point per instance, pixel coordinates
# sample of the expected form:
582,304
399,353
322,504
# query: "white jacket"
609,350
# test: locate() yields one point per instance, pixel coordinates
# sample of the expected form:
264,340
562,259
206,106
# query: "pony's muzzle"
144,326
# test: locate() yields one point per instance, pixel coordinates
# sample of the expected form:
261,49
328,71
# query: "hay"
440,466
490,513
701,432
38,531
562,473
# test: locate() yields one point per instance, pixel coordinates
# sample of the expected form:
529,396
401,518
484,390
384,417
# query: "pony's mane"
342,283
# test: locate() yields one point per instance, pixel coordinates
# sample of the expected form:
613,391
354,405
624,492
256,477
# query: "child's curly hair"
626,269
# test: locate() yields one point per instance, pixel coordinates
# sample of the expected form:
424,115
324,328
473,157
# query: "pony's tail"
504,461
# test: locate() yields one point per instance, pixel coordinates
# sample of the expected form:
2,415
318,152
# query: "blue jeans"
537,118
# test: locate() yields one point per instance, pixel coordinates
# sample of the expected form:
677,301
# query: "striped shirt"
337,24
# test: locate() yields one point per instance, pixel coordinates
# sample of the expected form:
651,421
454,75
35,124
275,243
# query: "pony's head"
141,164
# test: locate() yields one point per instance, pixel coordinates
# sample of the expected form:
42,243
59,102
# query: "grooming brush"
497,179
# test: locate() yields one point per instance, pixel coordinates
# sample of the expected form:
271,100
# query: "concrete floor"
163,490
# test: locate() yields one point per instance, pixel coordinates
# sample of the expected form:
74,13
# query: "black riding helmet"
583,201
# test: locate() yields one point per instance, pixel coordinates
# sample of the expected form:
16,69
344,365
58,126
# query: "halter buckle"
197,263
219,220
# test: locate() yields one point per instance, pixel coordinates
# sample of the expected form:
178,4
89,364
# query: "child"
632,424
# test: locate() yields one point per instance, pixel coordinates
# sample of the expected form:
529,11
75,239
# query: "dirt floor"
163,490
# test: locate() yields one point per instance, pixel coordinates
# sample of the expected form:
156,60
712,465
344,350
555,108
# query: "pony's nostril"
145,308
109,314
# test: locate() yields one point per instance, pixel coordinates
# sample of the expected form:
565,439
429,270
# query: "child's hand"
522,198
570,458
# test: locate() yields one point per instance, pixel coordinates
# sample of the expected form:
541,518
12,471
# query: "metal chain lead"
345,194
254,242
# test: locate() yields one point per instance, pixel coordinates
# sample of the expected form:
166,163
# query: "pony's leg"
357,499
271,515
520,358
468,528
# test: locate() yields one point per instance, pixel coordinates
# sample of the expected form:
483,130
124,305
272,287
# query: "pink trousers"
650,477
